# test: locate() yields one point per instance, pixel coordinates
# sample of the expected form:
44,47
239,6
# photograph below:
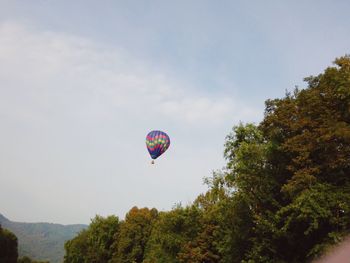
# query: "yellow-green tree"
94,244
135,230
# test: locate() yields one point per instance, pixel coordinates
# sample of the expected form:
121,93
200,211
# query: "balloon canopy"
157,143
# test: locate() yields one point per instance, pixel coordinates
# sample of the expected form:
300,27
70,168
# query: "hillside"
42,241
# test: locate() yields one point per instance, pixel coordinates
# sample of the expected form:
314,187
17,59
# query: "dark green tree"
135,230
8,246
171,232
26,259
284,195
289,176
308,159
93,244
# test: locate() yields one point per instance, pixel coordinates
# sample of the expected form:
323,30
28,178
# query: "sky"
83,82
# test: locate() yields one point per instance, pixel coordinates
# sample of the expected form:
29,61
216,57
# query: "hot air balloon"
157,143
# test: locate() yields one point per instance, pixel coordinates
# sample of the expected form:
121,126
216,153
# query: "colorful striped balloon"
157,143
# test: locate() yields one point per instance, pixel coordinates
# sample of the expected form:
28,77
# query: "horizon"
41,222
81,85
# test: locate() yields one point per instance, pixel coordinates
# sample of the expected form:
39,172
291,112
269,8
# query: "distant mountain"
41,241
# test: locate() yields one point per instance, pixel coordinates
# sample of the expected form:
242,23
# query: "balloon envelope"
157,143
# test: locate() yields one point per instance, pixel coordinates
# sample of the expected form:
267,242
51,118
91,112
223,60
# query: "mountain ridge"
42,240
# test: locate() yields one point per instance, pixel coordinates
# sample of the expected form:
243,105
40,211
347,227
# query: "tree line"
284,195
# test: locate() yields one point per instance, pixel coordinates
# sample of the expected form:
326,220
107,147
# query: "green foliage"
308,161
202,247
284,195
26,259
170,233
134,234
8,246
292,173
94,244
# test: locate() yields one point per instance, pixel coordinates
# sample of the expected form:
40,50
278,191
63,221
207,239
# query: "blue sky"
82,82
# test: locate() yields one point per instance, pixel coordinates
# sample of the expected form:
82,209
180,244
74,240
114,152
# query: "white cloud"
73,114
44,64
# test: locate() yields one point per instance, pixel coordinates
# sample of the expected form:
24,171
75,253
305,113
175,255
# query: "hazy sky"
83,82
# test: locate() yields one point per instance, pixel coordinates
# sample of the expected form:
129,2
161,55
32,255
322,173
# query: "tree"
26,259
284,195
95,243
253,195
292,171
135,230
310,159
8,246
170,233
311,132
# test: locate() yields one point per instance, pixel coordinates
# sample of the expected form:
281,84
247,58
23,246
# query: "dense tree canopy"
170,233
134,234
284,195
93,245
